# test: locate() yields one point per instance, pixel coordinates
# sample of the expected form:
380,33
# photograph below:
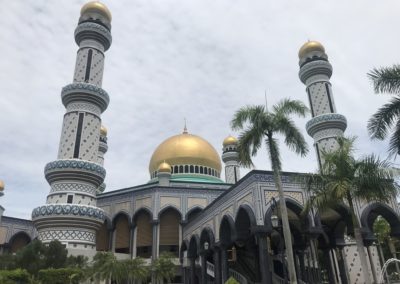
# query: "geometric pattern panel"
81,106
298,196
73,235
55,187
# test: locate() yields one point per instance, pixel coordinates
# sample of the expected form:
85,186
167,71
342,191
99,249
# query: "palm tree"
164,268
345,179
386,80
260,126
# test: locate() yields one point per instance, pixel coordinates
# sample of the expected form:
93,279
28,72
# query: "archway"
144,233
18,241
193,254
103,236
381,228
170,220
122,233
192,213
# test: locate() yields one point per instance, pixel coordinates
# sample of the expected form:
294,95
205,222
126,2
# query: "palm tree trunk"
282,205
359,241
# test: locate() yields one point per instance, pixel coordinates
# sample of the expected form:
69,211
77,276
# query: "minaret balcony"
85,92
75,169
67,215
326,121
93,31
315,68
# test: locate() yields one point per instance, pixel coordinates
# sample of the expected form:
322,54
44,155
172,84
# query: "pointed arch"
227,231
170,221
194,247
372,211
18,241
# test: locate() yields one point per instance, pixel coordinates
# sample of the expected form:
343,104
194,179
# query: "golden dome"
230,140
103,131
310,46
185,149
96,6
1,185
164,168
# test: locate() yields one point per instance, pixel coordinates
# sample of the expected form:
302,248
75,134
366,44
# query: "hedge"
60,276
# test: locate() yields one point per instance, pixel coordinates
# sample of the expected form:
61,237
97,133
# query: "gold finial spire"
185,131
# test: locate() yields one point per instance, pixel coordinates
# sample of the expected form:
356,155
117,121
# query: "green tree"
386,80
163,267
231,280
55,255
259,126
78,261
32,257
107,267
346,179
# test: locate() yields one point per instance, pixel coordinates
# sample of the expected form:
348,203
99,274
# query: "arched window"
191,169
212,172
144,234
196,169
180,169
201,169
169,231
186,168
102,238
122,234
209,171
176,169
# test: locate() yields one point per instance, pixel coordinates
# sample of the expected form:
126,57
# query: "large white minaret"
70,214
230,156
315,72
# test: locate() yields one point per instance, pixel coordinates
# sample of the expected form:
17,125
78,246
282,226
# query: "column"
303,275
342,265
113,239
192,270
155,243
217,266
110,240
224,264
371,262
131,239
203,258
263,254
331,273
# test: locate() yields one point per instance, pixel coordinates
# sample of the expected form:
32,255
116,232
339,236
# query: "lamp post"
277,226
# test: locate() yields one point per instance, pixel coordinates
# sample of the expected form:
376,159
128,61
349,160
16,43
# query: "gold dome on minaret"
185,149
310,46
103,131
1,185
164,168
230,140
98,7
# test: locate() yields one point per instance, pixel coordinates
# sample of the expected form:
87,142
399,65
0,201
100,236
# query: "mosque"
215,228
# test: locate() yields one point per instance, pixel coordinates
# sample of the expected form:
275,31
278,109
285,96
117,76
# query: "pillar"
217,265
224,264
263,256
192,268
154,253
331,272
342,265
203,259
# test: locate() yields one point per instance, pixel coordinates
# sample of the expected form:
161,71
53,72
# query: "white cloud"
173,59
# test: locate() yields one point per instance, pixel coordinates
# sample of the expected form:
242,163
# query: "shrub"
19,276
60,276
231,280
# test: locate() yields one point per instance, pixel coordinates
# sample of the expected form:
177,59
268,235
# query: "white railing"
210,269
239,277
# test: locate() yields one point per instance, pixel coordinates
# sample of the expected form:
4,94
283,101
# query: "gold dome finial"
310,46
1,185
98,7
185,131
103,131
230,140
164,168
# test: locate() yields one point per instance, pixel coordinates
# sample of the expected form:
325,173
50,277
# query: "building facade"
214,228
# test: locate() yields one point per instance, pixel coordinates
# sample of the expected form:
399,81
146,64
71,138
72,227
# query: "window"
69,198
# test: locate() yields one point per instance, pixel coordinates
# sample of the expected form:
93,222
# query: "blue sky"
200,60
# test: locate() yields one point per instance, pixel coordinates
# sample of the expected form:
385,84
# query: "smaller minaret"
230,156
164,174
103,147
325,124
1,194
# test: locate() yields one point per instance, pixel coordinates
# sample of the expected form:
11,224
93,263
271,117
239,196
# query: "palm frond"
294,139
380,123
273,151
386,79
249,143
394,143
247,114
374,179
288,106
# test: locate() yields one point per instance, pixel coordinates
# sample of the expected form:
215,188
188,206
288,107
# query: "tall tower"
315,72
103,147
70,214
230,156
